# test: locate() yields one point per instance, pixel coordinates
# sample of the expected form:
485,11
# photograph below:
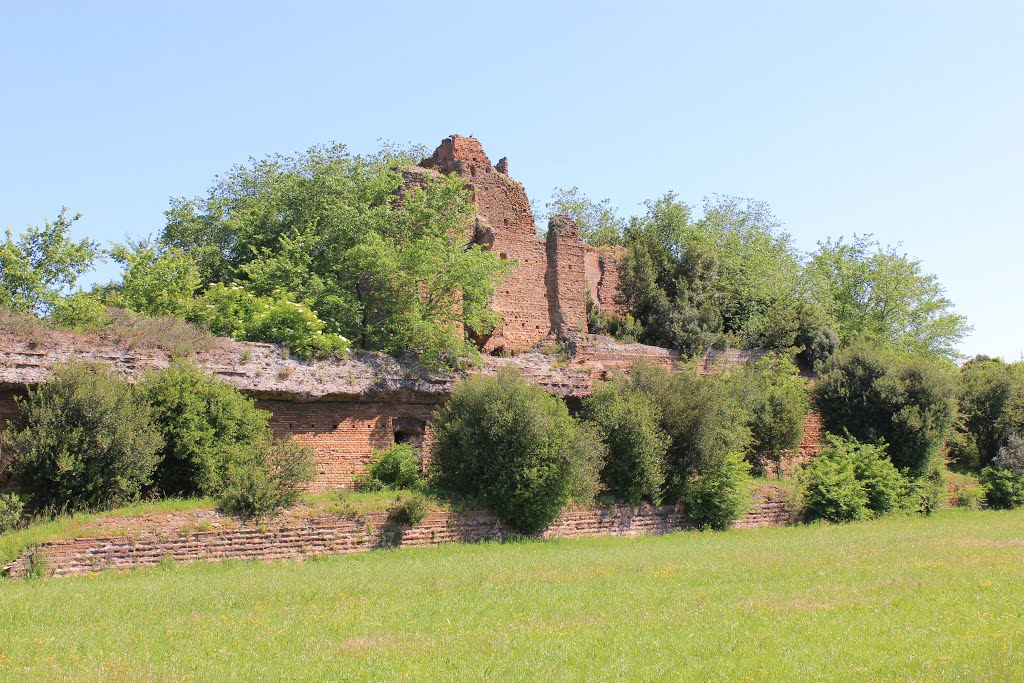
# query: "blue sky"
903,119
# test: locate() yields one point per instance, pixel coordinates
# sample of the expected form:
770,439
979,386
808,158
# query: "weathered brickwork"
298,538
345,433
566,280
506,225
601,266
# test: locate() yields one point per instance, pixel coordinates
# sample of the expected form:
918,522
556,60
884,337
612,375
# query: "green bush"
80,311
409,509
1003,479
776,401
906,401
259,481
833,491
205,423
718,494
397,467
512,446
991,406
84,440
11,510
702,417
634,470
887,490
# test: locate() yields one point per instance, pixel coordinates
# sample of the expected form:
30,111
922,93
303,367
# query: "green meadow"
897,599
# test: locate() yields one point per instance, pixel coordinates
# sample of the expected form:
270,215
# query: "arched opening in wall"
409,430
498,351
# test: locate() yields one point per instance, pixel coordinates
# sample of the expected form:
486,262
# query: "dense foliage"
84,440
776,400
1003,479
206,425
513,447
628,422
717,494
264,479
598,222
12,508
906,401
729,277
991,405
867,291
40,267
850,480
397,467
324,229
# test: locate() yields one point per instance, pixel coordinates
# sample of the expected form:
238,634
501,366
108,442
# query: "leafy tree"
156,281
634,470
40,267
776,399
906,401
869,291
702,418
991,405
729,276
84,440
206,424
513,447
599,223
328,229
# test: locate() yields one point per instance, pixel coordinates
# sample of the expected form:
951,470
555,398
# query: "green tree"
513,447
991,405
43,265
628,421
729,276
84,440
906,401
869,291
155,280
599,223
776,400
328,228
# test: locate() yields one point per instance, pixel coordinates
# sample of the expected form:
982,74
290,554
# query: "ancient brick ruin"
545,297
347,408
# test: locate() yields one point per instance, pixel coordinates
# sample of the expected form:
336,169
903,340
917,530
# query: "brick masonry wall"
503,205
331,535
345,433
601,265
566,280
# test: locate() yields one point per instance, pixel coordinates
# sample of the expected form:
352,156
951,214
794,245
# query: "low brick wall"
298,538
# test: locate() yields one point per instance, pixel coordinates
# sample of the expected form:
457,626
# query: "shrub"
833,491
966,492
84,440
776,401
259,481
887,490
397,467
205,424
234,312
513,446
628,422
80,311
702,418
1004,478
409,509
906,401
11,510
991,405
717,495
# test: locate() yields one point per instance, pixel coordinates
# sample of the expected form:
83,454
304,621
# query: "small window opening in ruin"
409,430
498,351
503,256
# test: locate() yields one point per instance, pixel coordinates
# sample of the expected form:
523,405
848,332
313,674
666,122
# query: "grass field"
897,599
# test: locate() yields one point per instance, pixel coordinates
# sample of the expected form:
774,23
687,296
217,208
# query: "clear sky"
904,119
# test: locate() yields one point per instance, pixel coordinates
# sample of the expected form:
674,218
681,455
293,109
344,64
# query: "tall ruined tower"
544,297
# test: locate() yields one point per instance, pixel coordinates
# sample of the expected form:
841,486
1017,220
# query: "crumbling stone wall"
601,268
566,279
506,225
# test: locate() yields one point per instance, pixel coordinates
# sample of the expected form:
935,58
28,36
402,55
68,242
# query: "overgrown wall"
333,535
